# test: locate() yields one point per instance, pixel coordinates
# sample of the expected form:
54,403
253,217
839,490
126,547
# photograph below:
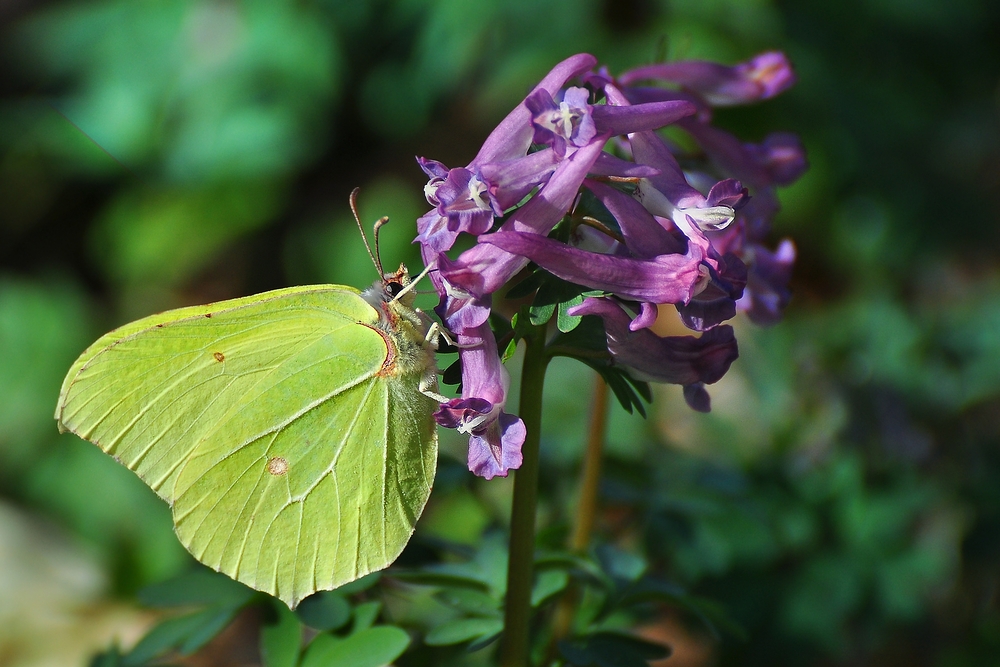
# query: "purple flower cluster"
687,237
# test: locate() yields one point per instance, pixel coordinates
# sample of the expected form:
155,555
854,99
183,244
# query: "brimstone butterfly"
291,432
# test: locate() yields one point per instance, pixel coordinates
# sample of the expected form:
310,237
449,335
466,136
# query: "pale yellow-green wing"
292,461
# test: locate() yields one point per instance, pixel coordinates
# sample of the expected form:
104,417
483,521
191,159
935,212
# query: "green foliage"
221,597
462,630
608,649
840,503
217,599
197,587
587,343
280,637
373,647
324,611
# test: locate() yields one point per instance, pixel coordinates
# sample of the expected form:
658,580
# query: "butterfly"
291,432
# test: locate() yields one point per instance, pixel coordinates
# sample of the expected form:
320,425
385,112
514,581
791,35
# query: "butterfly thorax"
403,326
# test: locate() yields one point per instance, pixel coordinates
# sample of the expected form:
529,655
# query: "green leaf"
365,615
281,640
554,291
110,658
463,630
555,294
441,577
359,585
547,584
621,564
197,587
708,611
206,632
509,350
539,315
469,601
617,381
587,339
521,322
483,642
611,649
374,647
185,634
566,322
501,327
640,386
576,565
324,611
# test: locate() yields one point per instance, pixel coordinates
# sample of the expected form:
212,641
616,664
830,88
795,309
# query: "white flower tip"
712,218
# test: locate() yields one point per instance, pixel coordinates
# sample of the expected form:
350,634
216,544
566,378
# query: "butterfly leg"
435,332
426,387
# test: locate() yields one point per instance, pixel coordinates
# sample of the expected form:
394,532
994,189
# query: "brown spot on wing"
277,466
219,356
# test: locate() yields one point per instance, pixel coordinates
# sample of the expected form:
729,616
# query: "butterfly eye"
393,288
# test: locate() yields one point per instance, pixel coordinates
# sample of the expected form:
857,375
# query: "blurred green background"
841,503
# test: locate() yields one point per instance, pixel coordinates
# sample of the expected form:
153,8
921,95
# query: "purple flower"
668,278
669,194
644,236
690,237
512,137
495,436
683,360
466,200
567,122
759,78
783,155
779,160
574,122
485,268
717,300
767,291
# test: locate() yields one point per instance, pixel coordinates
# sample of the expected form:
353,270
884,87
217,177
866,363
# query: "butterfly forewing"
271,427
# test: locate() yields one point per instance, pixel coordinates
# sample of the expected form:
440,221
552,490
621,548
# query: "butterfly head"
394,286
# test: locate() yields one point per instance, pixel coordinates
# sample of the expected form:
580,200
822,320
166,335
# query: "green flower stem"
517,614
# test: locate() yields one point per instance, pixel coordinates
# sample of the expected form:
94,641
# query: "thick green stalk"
516,645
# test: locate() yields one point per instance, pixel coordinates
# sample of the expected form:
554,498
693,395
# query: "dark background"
842,501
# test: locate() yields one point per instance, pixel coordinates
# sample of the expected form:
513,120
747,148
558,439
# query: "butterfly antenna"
378,253
410,286
376,260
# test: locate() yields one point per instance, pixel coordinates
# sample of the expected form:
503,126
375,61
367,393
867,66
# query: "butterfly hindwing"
326,498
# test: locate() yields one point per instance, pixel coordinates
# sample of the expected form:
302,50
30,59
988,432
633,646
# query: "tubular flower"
683,360
667,278
690,237
495,436
763,76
